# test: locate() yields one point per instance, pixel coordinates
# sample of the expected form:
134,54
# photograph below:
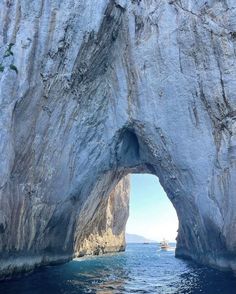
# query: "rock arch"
94,80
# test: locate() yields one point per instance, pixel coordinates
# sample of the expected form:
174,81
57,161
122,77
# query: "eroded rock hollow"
94,90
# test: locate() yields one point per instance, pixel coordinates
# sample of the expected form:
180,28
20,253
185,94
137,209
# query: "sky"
152,215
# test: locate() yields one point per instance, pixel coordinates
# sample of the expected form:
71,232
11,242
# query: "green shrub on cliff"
8,53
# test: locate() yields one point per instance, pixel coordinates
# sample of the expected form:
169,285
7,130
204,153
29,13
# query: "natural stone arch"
134,154
91,77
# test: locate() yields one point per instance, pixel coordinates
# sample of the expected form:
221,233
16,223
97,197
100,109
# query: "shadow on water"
141,269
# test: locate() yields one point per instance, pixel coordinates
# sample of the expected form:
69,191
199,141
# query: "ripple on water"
141,269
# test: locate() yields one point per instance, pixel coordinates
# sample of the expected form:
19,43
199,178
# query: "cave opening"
152,216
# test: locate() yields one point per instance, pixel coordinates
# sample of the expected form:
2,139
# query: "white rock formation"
105,88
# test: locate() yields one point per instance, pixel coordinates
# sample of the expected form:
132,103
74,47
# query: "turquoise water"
141,269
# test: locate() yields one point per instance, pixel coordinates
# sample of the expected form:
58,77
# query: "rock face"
105,89
104,232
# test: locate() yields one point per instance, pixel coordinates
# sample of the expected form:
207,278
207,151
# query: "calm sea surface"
141,269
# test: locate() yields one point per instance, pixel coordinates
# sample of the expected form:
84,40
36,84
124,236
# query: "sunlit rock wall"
93,90
105,231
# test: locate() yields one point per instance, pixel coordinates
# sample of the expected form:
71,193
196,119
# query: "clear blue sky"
152,215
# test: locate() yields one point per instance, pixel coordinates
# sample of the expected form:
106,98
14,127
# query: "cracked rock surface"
105,89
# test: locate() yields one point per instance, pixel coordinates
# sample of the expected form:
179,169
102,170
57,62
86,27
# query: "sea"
142,268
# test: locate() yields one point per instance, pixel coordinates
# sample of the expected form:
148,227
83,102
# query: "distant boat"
164,245
146,242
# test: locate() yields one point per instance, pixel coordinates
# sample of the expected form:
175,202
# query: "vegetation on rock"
8,53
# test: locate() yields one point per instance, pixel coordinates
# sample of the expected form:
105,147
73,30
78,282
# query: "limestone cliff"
104,232
94,90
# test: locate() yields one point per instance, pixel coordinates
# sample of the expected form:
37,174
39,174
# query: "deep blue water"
141,269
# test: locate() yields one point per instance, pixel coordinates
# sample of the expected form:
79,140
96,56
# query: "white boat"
164,245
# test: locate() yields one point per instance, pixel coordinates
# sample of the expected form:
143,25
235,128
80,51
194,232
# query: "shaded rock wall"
108,88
